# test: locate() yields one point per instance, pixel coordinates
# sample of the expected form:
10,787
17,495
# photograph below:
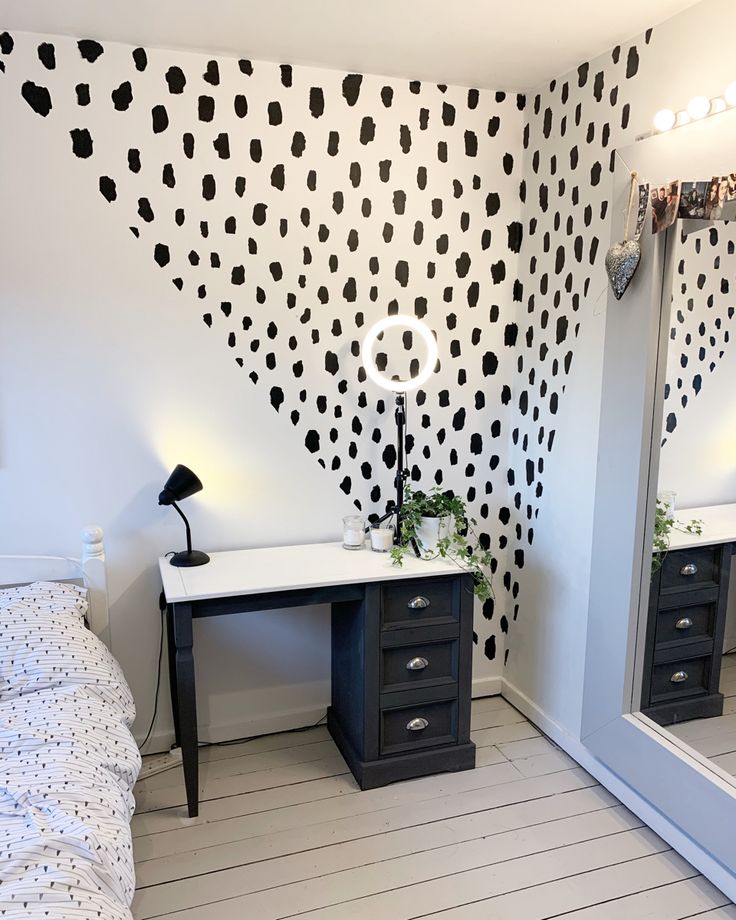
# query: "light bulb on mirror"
664,120
698,107
730,94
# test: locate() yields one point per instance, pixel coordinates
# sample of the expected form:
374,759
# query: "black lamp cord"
162,608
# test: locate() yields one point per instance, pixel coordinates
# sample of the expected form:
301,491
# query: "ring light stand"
399,388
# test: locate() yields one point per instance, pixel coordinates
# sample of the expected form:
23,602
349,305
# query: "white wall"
547,643
109,375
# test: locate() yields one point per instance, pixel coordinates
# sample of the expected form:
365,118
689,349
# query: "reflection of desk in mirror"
687,619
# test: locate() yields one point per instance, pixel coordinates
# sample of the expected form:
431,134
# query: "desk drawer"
423,664
419,601
679,624
421,725
688,568
677,679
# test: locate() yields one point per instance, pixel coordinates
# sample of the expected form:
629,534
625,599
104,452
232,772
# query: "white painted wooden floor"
284,831
716,738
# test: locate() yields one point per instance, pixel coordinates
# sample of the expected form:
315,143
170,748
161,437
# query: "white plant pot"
430,532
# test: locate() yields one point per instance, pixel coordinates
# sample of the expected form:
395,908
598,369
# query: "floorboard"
716,738
284,831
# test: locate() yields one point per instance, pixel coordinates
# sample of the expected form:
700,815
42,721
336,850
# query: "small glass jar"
353,531
382,538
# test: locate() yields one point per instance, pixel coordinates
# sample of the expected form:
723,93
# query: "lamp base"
189,557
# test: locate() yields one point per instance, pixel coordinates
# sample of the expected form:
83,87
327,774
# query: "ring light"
390,322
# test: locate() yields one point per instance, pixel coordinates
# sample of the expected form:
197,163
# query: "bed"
68,762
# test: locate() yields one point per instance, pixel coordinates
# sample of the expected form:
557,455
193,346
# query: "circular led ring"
366,353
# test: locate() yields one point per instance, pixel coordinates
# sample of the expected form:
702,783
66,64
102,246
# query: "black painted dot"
140,59
212,74
222,145
38,97
47,55
107,188
134,160
176,80
82,91
286,75
81,142
208,187
122,96
90,50
159,119
632,62
240,104
274,113
6,43
387,96
161,254
367,130
311,441
206,108
316,101
351,87
145,210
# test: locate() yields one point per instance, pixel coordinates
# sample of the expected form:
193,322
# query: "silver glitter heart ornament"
622,261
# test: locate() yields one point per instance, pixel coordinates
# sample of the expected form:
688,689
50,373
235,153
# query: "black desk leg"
185,705
172,672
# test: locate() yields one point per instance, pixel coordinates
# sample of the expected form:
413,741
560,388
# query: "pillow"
44,644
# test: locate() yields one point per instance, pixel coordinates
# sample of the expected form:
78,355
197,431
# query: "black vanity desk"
401,650
686,621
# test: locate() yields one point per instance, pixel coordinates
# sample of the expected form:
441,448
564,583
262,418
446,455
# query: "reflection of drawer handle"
684,623
416,664
418,603
417,725
689,569
678,677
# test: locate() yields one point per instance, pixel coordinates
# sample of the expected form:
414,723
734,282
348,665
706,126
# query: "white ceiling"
500,44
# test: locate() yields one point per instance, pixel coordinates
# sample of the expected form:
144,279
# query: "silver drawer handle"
684,623
678,677
689,569
416,664
418,603
417,725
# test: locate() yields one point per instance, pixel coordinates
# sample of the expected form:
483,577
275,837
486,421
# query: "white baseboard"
711,868
487,686
161,741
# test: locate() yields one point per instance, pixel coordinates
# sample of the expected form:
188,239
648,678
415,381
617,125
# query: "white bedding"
68,763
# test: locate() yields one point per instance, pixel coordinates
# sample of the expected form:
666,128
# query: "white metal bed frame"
89,569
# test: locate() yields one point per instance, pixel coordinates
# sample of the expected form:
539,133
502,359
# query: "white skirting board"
711,868
163,740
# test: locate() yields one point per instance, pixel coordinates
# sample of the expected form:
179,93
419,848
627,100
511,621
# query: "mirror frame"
690,805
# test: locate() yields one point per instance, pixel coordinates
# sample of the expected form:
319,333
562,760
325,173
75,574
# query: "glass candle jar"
353,531
382,538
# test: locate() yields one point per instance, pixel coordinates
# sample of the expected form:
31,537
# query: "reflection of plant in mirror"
663,527
460,544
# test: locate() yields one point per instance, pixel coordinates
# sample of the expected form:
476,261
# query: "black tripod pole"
401,472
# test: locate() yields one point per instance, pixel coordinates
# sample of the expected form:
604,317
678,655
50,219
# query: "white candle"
353,534
382,539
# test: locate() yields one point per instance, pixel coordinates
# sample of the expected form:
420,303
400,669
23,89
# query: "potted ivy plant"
437,523
664,524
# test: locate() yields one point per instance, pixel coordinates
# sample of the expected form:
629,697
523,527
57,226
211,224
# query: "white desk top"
719,526
288,568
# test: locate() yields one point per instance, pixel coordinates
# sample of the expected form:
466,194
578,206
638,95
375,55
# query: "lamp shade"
180,485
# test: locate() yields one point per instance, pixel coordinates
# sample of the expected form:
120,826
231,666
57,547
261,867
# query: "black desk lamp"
180,485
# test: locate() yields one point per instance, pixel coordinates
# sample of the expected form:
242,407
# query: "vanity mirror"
659,697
